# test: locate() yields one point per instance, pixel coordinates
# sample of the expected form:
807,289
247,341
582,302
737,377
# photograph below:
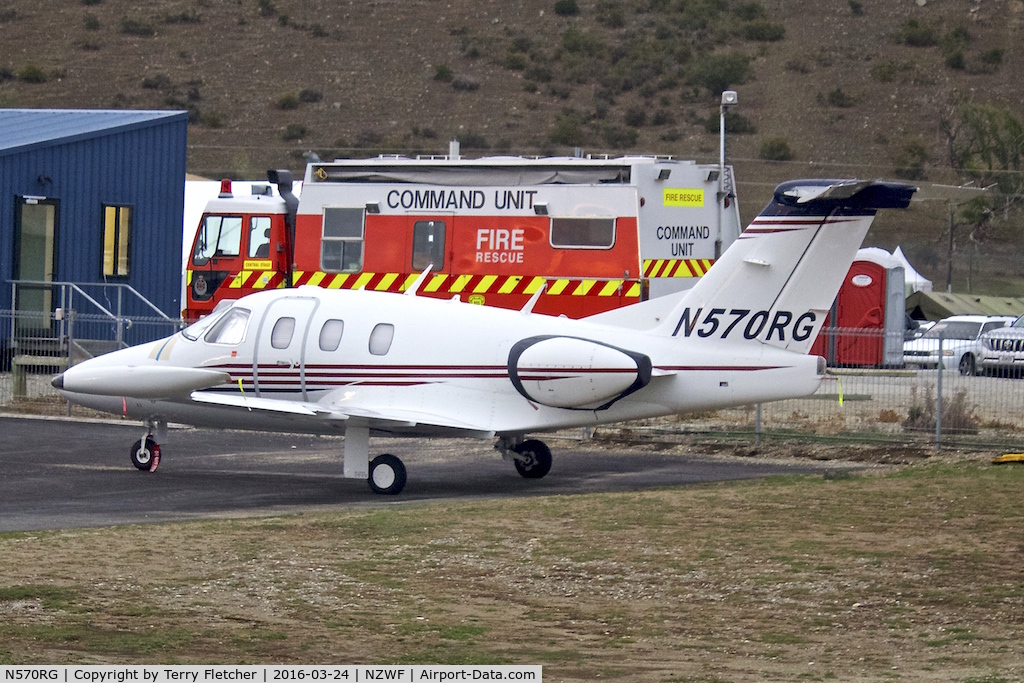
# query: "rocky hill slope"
826,88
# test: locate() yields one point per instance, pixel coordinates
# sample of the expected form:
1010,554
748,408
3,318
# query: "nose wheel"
145,454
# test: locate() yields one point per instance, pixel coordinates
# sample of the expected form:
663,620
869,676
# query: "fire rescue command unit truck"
595,234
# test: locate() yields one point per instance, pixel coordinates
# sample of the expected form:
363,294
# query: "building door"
35,256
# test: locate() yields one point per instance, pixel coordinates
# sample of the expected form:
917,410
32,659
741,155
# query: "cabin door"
279,360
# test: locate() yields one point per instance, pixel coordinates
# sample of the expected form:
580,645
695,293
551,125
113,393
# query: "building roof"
939,305
27,128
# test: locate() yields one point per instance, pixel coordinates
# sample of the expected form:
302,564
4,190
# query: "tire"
536,460
387,475
967,365
142,454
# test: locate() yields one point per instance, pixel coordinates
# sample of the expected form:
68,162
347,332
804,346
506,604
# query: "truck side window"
583,233
427,245
342,243
217,236
259,237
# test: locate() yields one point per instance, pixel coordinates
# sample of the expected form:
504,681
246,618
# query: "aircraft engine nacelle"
569,372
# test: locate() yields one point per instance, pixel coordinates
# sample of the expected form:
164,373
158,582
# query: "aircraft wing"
389,419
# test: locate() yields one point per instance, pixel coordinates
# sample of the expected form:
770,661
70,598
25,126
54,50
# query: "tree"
985,144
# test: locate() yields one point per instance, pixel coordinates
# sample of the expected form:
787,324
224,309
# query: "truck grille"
1005,345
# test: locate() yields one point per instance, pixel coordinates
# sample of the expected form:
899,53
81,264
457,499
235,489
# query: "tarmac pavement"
58,473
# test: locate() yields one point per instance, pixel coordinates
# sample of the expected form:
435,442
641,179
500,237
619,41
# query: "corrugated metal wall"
143,166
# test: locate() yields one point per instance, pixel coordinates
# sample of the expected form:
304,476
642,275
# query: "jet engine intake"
575,373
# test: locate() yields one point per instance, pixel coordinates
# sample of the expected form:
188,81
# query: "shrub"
636,116
32,74
310,96
465,83
581,42
748,11
516,61
885,72
318,31
917,34
267,8
89,3
567,130
294,131
910,161
184,17
956,60
735,123
471,140
776,149
993,56
92,22
134,27
856,8
764,31
610,14
566,8
836,98
443,73
157,82
288,101
718,72
618,137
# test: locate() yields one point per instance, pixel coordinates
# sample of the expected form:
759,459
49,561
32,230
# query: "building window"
427,245
583,233
117,232
342,243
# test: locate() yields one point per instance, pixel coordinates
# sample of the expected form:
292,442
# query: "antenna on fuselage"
528,308
414,287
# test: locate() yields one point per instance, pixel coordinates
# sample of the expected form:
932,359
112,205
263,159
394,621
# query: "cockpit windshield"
196,329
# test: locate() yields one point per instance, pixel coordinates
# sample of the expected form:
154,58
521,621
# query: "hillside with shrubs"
925,90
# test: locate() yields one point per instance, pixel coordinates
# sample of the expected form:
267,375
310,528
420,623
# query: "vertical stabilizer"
776,283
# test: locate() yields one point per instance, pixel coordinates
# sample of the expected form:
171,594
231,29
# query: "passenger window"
583,233
218,236
259,237
427,245
281,335
381,337
230,329
342,243
330,335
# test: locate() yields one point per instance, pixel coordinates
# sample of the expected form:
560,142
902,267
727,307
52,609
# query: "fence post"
938,398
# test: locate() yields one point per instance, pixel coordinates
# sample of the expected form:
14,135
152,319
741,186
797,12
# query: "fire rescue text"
497,245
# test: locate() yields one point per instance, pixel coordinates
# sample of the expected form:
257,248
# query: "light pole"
729,98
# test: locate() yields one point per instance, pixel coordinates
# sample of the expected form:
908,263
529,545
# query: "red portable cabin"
865,326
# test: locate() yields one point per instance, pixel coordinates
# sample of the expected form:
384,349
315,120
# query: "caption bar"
150,673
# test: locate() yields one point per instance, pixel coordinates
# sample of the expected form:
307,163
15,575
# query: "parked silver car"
961,343
1002,350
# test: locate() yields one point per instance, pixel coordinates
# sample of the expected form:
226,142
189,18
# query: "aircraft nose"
58,381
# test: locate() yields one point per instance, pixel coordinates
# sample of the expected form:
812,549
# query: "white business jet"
364,363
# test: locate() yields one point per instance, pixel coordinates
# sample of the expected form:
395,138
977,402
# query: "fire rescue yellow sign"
683,197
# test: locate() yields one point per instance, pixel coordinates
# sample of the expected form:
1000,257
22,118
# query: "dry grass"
913,575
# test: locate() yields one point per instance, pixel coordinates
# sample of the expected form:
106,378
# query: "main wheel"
535,461
967,365
142,453
387,475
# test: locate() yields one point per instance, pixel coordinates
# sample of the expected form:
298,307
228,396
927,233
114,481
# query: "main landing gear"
387,475
531,457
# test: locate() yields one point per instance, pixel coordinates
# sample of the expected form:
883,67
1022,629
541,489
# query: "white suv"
961,343
1002,350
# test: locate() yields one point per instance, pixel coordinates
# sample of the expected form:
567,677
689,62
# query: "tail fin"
776,283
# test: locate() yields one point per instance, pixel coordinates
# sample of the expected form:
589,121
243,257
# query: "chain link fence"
859,402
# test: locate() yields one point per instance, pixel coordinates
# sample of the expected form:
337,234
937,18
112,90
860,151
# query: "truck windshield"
218,236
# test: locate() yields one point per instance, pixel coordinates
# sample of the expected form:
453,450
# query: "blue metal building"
91,207
92,196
